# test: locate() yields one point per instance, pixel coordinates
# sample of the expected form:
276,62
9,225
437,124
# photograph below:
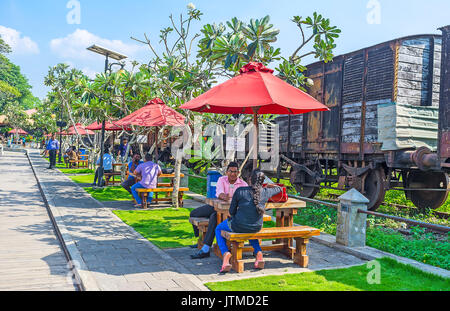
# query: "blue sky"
41,35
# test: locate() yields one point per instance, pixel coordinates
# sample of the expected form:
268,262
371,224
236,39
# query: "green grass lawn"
83,179
76,171
106,194
394,276
197,185
166,228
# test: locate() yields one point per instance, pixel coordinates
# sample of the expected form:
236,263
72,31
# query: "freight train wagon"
387,127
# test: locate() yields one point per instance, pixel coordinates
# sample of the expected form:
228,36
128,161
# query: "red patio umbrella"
154,113
80,129
18,131
109,126
255,91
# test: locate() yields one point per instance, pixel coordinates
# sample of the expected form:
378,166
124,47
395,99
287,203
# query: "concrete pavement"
31,257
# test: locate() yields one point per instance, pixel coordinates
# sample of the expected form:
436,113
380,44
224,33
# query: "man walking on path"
148,172
52,147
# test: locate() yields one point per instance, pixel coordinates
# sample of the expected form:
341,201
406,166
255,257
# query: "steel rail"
434,227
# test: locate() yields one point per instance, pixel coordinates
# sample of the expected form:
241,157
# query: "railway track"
440,215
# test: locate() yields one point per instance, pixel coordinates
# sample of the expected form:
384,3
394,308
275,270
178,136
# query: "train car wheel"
304,191
374,188
424,199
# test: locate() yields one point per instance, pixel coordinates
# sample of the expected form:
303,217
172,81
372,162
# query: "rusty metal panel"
444,106
353,148
445,145
322,128
331,119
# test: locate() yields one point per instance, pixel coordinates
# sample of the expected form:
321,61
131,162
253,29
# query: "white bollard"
351,225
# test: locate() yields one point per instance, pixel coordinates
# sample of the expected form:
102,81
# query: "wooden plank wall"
414,70
296,132
378,90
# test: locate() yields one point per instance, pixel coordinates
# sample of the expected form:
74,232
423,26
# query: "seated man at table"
247,210
108,162
226,186
148,173
134,163
73,155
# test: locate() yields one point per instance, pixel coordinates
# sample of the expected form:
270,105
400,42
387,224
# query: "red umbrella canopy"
18,131
80,129
155,113
109,126
255,90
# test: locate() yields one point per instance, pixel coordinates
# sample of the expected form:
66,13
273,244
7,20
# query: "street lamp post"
117,56
60,134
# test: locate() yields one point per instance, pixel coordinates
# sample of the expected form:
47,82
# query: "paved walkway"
30,255
111,255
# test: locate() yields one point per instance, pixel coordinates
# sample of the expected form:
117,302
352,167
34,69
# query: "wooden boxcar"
383,129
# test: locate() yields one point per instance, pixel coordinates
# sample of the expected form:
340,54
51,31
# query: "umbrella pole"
156,144
255,137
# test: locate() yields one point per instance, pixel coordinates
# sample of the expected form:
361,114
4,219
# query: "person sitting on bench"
148,173
246,216
226,186
108,161
73,156
136,161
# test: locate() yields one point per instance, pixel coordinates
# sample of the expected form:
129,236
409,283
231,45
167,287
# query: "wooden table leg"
236,256
300,257
144,200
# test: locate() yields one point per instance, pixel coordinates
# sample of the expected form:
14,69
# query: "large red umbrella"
109,126
255,91
18,131
154,113
80,129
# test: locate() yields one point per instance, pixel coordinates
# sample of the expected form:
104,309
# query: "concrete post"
351,225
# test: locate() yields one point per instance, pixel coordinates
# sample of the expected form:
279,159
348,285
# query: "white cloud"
18,43
90,72
74,45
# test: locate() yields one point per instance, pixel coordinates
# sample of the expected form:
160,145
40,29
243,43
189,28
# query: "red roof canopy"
256,89
155,113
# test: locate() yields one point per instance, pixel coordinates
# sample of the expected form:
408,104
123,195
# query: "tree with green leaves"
16,116
13,84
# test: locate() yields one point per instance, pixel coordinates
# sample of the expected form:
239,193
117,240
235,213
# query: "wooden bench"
300,234
202,224
82,162
110,178
144,195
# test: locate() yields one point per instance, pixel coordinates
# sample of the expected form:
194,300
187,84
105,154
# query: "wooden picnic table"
162,188
284,218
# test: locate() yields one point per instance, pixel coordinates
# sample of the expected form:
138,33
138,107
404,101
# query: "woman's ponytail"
257,179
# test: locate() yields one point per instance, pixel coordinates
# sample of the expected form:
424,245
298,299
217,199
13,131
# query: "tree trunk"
176,181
